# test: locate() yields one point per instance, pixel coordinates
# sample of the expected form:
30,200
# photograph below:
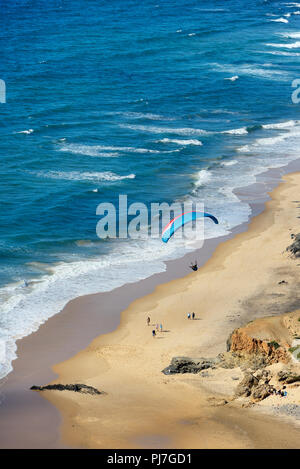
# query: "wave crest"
85,176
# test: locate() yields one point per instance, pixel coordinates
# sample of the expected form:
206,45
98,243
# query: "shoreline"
177,411
69,331
141,405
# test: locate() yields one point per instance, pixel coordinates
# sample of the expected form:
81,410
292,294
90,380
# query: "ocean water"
160,100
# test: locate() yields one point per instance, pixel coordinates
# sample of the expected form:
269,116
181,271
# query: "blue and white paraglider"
181,220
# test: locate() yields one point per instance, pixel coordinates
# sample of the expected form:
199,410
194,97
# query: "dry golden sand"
144,408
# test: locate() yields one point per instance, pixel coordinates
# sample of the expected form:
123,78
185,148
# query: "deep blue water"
159,100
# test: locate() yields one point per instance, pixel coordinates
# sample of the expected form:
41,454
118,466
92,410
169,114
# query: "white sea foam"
241,131
180,141
203,177
243,149
142,115
291,35
291,130
280,20
252,70
292,45
84,176
262,142
88,150
270,140
234,78
283,53
98,150
27,132
229,163
165,130
281,125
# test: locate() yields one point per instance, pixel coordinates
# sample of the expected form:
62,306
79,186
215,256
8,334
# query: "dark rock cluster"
288,377
255,385
295,247
83,388
189,365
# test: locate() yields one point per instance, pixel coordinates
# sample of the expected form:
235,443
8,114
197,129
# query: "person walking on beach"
161,328
193,316
153,333
148,321
189,315
157,327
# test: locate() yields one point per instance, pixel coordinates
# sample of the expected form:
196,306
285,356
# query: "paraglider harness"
194,266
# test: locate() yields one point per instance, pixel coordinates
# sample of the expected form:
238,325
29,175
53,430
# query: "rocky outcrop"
255,386
295,247
261,391
288,377
244,344
189,365
82,388
259,349
245,386
243,360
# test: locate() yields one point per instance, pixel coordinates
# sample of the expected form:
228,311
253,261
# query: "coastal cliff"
261,356
275,339
271,351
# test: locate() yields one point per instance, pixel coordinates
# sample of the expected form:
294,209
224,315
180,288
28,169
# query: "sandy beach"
142,407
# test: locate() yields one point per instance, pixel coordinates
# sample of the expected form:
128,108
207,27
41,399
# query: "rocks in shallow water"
189,365
295,247
82,388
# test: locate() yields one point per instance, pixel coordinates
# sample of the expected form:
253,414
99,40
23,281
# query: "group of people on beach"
191,316
280,392
158,327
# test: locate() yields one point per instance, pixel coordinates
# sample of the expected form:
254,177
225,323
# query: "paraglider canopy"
181,220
